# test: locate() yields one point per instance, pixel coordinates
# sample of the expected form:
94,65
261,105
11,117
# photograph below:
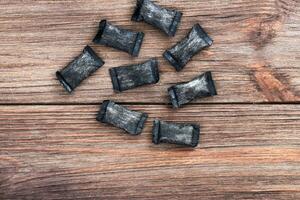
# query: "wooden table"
51,146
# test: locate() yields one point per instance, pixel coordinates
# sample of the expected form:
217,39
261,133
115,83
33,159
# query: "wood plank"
255,57
61,152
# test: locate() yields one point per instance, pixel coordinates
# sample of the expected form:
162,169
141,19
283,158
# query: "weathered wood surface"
61,152
255,56
55,149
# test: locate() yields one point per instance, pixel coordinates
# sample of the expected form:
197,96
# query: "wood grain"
61,152
55,149
255,56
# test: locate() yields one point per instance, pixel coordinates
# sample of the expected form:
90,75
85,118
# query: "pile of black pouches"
131,76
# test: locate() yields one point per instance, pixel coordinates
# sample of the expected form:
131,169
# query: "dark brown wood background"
51,146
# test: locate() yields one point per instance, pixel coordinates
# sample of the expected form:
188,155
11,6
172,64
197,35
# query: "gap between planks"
150,104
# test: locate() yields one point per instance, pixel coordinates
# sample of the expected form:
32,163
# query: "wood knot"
272,85
262,32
